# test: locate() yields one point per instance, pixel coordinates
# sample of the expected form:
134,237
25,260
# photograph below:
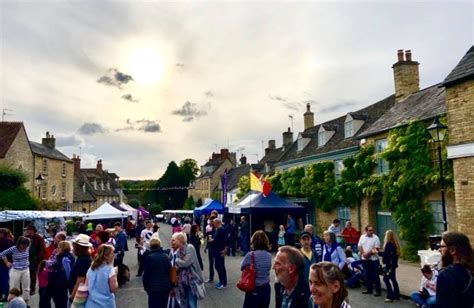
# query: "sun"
146,65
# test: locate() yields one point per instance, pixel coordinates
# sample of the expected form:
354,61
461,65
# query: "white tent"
130,210
105,211
10,215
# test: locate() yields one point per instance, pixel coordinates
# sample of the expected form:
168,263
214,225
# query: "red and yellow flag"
258,184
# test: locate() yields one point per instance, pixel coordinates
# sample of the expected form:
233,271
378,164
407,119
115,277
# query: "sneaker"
221,286
366,292
377,294
217,284
388,300
209,280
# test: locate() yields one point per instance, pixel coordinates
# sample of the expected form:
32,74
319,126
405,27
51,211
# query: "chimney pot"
408,55
400,55
271,144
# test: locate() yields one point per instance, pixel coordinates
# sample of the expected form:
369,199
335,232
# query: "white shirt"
433,280
369,243
146,236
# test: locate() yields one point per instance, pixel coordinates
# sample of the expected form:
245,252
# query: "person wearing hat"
308,254
81,246
37,254
19,272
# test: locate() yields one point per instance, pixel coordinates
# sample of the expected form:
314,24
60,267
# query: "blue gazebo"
209,206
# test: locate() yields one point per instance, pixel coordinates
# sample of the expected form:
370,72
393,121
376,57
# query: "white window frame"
349,129
382,164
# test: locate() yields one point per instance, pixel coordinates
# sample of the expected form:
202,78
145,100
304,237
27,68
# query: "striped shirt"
263,264
20,258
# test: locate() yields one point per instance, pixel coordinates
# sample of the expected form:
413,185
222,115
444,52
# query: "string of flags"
160,188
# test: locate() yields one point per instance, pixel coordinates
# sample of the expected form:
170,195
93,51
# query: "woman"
259,244
102,279
426,295
59,275
184,258
19,268
5,243
326,285
81,247
332,251
102,237
390,254
156,275
196,242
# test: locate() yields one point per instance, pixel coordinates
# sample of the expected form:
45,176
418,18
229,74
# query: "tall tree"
13,195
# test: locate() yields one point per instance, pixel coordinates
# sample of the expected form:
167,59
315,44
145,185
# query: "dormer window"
84,187
321,139
353,123
325,133
302,142
95,184
108,185
348,129
102,185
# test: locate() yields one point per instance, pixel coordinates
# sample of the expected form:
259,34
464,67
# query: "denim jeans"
211,258
259,298
430,301
372,275
393,292
192,299
220,268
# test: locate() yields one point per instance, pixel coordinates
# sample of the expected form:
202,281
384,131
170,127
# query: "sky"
141,83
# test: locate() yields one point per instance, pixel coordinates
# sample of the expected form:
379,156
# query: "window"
349,129
102,185
84,187
95,184
53,190
437,211
45,166
382,164
44,191
108,185
338,166
64,170
321,139
63,191
343,214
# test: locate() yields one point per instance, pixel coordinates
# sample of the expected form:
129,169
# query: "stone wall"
54,179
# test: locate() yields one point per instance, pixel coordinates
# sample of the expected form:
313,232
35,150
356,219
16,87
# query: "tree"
244,186
189,204
188,169
13,195
134,203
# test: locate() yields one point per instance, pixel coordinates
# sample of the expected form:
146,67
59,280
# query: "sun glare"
146,65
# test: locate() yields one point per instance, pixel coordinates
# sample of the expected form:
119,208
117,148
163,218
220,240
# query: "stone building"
15,150
206,184
94,186
459,86
57,171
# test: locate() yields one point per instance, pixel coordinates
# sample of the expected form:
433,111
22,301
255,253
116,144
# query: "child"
42,281
281,236
14,299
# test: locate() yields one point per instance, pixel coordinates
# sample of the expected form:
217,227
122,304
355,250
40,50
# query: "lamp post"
438,132
39,180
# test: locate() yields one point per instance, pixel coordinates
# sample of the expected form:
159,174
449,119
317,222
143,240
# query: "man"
290,231
369,245
120,244
335,227
231,233
350,235
455,284
37,254
144,245
316,242
221,242
291,290
309,256
244,235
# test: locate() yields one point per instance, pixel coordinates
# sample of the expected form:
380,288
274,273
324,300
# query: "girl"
42,283
391,251
281,236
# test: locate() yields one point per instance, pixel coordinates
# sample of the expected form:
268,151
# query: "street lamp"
438,132
39,180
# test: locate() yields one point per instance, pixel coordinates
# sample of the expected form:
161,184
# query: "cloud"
277,98
340,105
129,97
90,129
189,111
290,105
209,93
147,126
69,141
113,77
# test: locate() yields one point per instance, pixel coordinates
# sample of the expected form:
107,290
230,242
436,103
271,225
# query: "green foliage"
13,195
216,196
189,203
319,184
244,186
155,209
134,203
277,187
291,182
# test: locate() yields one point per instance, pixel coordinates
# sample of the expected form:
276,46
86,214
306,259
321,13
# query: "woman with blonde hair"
102,279
391,251
326,284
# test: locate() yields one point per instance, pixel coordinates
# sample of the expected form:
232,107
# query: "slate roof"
87,176
463,71
42,150
422,105
338,140
234,175
8,133
79,194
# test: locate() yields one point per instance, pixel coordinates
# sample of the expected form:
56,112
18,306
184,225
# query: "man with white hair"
220,242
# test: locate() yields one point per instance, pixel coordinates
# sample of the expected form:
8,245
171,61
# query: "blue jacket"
156,272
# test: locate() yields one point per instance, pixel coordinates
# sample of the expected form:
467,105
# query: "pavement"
132,293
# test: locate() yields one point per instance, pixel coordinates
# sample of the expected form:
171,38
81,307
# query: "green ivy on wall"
319,185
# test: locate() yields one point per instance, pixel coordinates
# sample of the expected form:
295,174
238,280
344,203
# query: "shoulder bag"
80,298
247,279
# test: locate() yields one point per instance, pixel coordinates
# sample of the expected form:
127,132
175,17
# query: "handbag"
247,279
173,275
80,298
200,290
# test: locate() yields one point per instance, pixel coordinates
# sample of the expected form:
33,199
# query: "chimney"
308,117
271,146
224,153
243,160
99,166
49,141
77,164
287,137
406,75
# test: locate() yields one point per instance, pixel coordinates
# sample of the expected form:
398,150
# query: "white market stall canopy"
130,210
105,211
177,212
10,215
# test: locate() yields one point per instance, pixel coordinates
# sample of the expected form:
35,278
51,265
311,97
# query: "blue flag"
224,187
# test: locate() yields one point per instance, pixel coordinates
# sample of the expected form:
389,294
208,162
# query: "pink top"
43,278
